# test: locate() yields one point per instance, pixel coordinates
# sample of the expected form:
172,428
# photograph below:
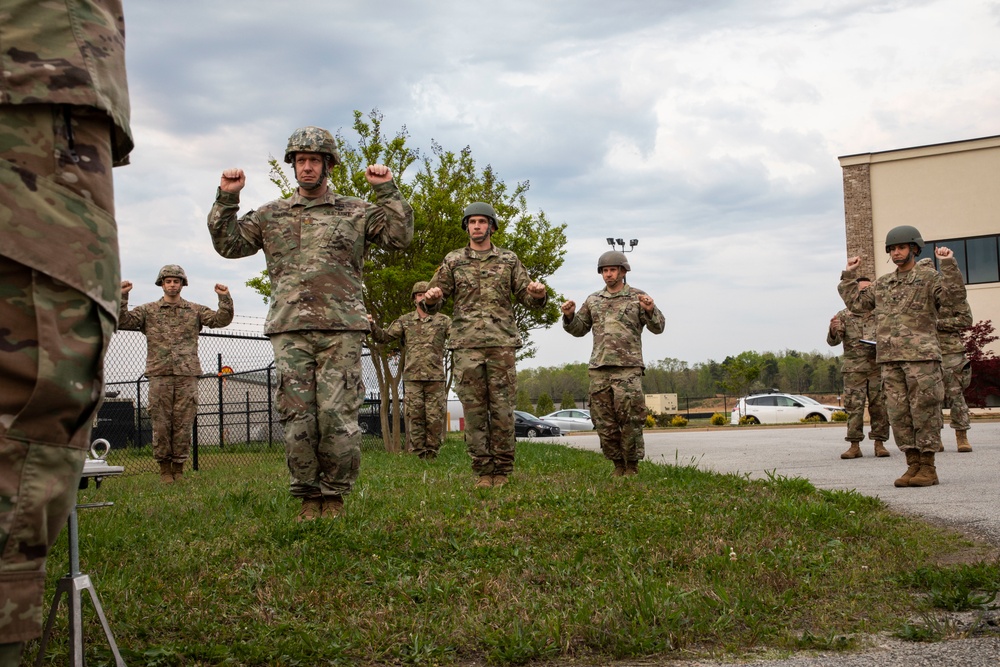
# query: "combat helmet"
904,234
171,271
312,139
419,287
613,258
479,208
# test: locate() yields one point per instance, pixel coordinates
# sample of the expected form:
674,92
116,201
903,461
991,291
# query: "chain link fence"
237,420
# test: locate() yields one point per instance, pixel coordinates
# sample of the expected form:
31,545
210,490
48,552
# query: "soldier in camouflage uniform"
862,378
425,398
617,315
171,326
314,243
484,338
64,122
906,303
955,366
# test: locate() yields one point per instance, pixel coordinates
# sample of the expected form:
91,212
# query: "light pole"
621,243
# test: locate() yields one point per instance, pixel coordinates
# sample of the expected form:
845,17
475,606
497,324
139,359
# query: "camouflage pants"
486,383
320,391
957,371
173,404
52,340
858,388
914,392
424,406
619,411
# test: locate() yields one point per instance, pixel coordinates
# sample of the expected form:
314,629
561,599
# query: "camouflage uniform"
906,305
616,367
172,366
955,366
64,122
862,376
484,339
317,321
425,399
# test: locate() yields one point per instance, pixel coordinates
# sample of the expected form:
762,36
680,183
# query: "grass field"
563,562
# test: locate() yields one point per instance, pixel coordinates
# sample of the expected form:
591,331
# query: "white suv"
778,408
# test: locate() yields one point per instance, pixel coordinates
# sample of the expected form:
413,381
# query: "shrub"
679,420
662,420
839,416
747,421
650,421
719,419
812,419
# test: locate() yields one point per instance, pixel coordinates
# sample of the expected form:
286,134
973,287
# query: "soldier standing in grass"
955,366
171,326
484,338
314,243
906,303
64,123
617,315
425,399
862,378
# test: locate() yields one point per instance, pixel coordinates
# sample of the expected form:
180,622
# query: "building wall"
946,191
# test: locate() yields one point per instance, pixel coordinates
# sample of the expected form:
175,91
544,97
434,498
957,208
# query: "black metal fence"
236,419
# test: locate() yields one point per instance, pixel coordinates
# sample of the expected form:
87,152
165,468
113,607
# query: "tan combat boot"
485,482
631,468
619,469
927,475
166,472
853,452
913,466
311,509
177,470
499,480
333,506
880,449
962,438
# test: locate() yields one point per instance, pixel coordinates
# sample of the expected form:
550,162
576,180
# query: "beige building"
950,192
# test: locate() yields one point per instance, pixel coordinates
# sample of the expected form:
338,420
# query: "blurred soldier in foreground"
171,326
64,121
314,243
422,337
955,366
862,378
617,315
484,338
907,302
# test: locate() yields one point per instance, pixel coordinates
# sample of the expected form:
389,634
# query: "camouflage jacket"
616,319
423,339
482,283
952,321
172,330
67,53
858,357
906,305
315,252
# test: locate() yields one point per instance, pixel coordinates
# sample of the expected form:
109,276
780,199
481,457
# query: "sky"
709,131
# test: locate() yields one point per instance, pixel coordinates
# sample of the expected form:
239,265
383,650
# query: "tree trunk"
388,390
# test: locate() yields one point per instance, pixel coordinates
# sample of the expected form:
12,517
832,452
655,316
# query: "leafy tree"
445,182
985,364
524,401
568,402
545,404
741,371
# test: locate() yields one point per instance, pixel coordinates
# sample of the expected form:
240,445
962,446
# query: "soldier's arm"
582,321
951,293
233,237
959,320
218,318
130,320
655,321
519,287
856,300
444,279
389,221
835,337
393,332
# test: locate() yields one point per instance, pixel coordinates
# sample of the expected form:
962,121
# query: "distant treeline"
790,371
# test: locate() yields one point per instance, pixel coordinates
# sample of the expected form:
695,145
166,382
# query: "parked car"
529,426
779,408
571,420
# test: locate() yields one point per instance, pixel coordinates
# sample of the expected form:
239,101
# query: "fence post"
248,416
194,442
137,436
270,420
222,409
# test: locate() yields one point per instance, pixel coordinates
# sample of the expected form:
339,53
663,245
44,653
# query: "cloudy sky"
708,130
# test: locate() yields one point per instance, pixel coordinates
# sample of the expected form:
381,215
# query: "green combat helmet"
312,140
904,234
613,258
479,208
419,287
171,271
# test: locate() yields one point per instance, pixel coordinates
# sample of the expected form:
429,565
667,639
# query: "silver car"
571,420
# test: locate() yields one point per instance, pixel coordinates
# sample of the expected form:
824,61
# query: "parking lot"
967,498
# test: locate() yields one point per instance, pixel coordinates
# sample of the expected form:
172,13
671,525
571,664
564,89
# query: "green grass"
564,562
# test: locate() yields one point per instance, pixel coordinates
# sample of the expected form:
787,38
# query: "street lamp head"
611,242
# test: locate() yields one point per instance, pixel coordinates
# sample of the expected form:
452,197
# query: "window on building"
978,257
